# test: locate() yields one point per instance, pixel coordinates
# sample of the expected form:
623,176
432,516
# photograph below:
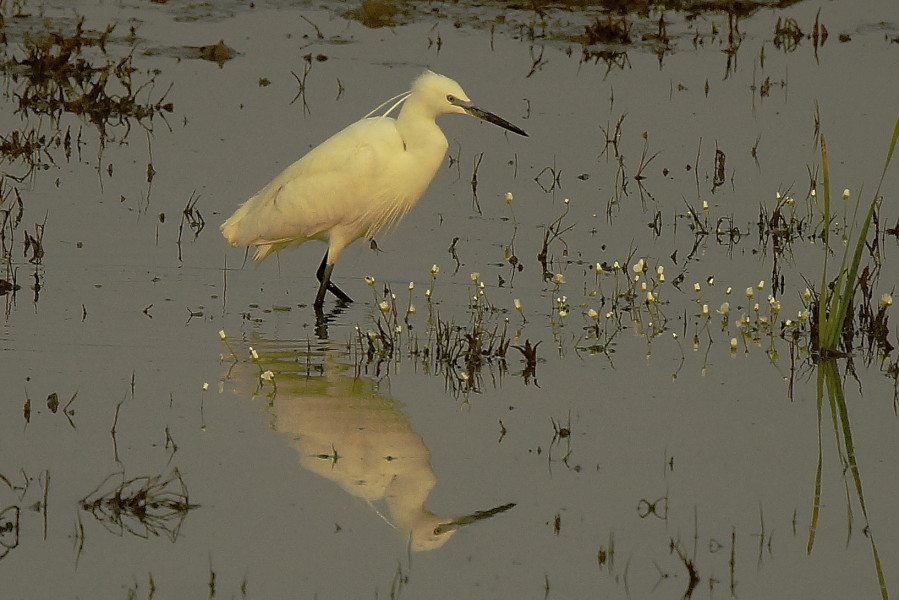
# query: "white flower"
814,193
777,195
728,291
474,276
558,279
509,198
517,304
205,386
886,300
599,267
615,266
434,270
749,292
803,315
370,280
267,376
222,334
705,310
638,268
807,294
593,314
411,285
563,313
253,353
761,285
384,307
725,308
411,309
733,343
846,194
696,287
650,298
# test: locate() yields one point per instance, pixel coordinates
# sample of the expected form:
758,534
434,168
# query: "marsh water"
495,416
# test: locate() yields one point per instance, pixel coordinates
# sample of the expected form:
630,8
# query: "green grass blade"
890,151
823,297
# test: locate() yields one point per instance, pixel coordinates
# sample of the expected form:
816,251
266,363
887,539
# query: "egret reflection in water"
344,430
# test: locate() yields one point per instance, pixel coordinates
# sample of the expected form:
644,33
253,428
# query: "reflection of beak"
489,117
475,516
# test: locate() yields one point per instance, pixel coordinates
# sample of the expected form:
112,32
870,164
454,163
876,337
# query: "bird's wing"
334,186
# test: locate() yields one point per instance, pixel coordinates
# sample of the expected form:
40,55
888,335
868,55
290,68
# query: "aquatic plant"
833,307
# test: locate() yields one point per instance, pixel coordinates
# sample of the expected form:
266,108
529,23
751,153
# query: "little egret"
358,182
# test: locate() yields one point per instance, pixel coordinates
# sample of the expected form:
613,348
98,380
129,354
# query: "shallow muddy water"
662,442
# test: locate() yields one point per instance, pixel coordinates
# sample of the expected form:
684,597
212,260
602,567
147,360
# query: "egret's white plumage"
360,181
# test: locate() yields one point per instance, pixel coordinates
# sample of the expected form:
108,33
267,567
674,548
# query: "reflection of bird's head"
431,532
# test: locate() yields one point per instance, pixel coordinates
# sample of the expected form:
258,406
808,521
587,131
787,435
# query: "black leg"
324,277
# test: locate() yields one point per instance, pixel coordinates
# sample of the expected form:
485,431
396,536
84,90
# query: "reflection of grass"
833,308
833,318
142,506
829,379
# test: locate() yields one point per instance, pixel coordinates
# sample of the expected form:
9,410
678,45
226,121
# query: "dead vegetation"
61,79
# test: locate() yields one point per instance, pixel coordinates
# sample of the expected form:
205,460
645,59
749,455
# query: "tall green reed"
834,306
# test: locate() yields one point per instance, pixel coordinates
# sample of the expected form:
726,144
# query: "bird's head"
440,93
444,96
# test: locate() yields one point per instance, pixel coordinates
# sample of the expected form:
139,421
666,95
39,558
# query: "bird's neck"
418,127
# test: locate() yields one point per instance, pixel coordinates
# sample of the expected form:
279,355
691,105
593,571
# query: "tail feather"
263,250
231,229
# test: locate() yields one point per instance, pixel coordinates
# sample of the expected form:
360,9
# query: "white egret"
358,182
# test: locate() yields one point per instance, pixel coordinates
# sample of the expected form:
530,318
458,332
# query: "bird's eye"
450,98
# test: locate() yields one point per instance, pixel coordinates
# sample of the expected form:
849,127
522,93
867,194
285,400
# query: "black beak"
492,118
488,116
